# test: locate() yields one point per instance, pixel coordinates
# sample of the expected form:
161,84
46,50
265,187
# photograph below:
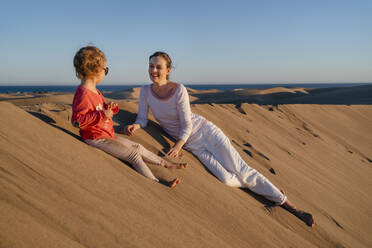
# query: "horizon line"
192,83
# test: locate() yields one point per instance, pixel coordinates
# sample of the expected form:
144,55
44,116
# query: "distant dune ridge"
315,144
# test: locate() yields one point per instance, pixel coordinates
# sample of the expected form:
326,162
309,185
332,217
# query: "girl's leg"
223,151
125,151
149,156
146,155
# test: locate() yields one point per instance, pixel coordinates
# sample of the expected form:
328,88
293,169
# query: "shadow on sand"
52,122
124,118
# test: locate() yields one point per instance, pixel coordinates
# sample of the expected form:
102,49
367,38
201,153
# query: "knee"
138,148
230,181
135,153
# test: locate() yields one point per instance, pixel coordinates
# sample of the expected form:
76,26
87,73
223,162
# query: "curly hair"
88,61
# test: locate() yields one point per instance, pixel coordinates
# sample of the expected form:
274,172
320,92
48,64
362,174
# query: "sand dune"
28,99
281,95
57,191
131,94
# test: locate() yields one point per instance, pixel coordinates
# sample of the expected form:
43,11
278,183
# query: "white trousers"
215,151
131,152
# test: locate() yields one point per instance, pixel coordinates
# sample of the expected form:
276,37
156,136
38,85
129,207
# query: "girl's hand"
113,106
108,113
131,129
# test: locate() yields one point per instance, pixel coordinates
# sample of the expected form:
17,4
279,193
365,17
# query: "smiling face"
158,70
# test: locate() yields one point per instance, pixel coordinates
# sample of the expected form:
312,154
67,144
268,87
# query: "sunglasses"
106,70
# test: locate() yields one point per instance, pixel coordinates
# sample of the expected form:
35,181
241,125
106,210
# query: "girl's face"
158,70
101,75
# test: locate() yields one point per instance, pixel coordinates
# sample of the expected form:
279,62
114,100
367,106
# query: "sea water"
106,88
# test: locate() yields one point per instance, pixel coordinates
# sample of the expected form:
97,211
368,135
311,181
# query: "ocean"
106,88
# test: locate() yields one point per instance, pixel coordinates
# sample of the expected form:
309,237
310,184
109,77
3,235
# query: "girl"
93,116
169,103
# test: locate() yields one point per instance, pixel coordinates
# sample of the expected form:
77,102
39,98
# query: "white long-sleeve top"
173,113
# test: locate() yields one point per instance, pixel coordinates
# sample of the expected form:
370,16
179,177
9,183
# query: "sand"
316,145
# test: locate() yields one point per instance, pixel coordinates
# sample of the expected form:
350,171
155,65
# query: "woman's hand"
173,152
131,129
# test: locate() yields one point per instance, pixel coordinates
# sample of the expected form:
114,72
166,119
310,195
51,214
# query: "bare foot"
304,216
170,165
174,182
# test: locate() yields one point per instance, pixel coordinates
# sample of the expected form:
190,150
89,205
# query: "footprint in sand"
272,171
336,222
254,151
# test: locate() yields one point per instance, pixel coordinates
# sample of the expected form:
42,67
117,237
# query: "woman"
169,103
93,116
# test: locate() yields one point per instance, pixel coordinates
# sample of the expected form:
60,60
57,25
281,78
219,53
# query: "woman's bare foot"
170,165
174,182
305,217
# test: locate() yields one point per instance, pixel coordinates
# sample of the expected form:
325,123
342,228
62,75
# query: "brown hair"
88,61
165,56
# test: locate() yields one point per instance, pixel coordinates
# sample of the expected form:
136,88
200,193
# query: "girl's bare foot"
174,182
170,165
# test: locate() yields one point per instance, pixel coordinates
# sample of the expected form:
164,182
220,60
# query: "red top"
88,115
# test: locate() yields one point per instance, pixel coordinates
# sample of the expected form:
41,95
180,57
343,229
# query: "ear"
168,70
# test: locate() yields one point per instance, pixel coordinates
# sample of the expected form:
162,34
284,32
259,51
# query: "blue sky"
209,41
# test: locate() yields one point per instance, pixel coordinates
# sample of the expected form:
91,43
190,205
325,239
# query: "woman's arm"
173,152
143,109
142,116
184,115
130,129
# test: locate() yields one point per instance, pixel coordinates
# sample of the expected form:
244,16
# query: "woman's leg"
197,145
226,154
216,168
223,151
302,215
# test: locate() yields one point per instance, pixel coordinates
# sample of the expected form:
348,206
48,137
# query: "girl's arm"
83,115
82,119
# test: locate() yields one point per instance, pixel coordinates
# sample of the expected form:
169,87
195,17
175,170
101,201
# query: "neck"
89,83
160,84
